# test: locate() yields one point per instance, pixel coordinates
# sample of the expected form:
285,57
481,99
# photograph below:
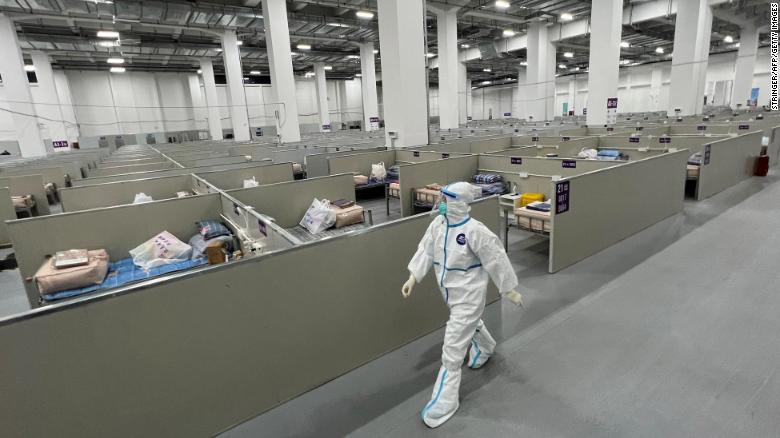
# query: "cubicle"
32,185
206,335
7,213
167,172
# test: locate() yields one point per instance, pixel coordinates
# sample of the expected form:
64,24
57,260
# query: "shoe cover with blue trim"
482,347
444,399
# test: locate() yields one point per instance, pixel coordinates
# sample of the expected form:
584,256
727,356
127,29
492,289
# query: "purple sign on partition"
610,129
534,139
707,152
516,160
445,155
639,128
236,209
701,128
60,144
569,164
565,138
633,139
742,127
664,140
416,153
562,199
612,102
261,225
507,114
373,119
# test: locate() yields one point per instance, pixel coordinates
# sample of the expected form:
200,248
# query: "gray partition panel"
444,171
7,213
50,174
612,204
202,352
360,163
287,202
234,178
119,170
23,185
162,173
116,229
120,193
317,164
730,161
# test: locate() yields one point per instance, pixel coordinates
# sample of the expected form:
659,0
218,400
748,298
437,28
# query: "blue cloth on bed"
498,188
124,272
487,178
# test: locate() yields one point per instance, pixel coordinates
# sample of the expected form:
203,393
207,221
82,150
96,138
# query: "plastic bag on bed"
378,171
141,198
162,249
319,216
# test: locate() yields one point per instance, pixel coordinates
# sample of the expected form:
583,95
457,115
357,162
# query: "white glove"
406,290
515,298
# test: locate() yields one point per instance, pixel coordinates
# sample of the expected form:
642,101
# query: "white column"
49,109
277,37
520,97
746,63
692,33
463,86
604,62
447,24
322,96
540,80
656,82
235,82
199,111
210,87
17,91
368,87
572,93
469,99
66,106
401,39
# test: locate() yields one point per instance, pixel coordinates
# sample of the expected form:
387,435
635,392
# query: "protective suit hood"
458,197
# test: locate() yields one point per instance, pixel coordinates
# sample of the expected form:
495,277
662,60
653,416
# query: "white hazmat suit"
465,255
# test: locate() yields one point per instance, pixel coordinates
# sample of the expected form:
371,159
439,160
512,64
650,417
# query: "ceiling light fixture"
115,60
566,17
508,33
294,53
108,43
218,49
485,82
364,15
487,70
625,44
728,39
353,56
309,74
328,67
239,43
376,51
358,75
339,25
200,71
117,69
430,55
568,54
254,73
561,66
28,67
303,47
659,50
107,34
625,62
464,46
502,4
523,62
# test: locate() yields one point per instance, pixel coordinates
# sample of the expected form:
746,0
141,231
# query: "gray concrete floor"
672,332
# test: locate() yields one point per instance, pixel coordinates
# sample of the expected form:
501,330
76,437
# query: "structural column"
402,42
604,62
520,99
746,63
692,33
539,91
199,111
65,98
368,87
277,36
464,85
49,111
322,96
17,91
210,87
656,82
572,94
447,24
235,82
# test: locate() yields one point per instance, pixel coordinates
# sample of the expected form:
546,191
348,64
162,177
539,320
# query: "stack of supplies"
71,269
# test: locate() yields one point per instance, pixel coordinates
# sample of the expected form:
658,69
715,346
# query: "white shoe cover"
482,347
444,400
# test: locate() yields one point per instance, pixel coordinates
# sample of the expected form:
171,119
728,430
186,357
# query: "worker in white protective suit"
465,254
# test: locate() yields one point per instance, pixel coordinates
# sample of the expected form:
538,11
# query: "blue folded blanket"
487,178
124,272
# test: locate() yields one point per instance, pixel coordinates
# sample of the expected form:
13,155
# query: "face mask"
443,208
